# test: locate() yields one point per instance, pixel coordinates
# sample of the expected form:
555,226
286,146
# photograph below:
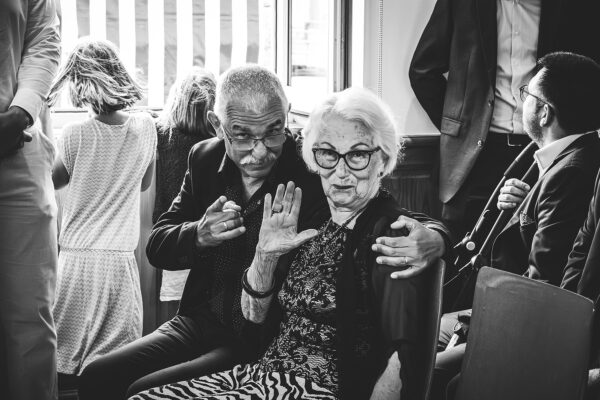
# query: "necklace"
346,222
323,249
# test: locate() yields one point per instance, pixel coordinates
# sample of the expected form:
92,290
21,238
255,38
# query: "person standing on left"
106,161
29,56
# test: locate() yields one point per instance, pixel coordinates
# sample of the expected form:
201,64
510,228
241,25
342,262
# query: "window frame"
301,101
340,70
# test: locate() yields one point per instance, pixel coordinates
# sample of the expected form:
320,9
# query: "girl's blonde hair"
96,78
189,101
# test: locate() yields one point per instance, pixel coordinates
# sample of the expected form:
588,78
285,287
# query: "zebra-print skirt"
246,382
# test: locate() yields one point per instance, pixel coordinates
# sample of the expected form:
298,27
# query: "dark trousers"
461,213
180,349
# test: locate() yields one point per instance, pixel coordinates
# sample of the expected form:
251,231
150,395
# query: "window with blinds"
161,39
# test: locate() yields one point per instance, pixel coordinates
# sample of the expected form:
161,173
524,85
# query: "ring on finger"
226,226
404,260
277,208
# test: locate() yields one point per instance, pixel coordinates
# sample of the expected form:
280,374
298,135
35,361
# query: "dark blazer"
387,312
396,308
461,39
539,237
582,273
171,244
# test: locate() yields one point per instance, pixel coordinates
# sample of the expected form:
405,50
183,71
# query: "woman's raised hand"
278,232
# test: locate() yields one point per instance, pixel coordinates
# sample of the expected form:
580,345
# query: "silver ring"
226,226
404,260
278,210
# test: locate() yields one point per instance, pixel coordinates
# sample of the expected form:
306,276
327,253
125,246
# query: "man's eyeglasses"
356,160
524,92
248,144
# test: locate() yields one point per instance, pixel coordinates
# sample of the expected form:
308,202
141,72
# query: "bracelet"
254,293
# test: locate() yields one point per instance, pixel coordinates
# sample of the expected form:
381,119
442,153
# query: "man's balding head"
254,86
250,106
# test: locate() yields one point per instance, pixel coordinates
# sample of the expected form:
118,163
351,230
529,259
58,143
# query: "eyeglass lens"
268,141
355,160
523,92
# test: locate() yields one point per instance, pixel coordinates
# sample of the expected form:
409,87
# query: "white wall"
403,23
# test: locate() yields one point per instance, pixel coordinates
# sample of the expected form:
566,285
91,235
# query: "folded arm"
431,61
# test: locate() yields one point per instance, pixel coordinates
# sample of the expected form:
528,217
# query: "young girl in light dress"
105,161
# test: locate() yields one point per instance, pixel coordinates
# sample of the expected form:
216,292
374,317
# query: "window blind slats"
159,39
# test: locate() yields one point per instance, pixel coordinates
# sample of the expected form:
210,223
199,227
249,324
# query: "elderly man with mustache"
213,226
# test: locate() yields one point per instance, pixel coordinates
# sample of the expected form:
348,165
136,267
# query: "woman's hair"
97,78
356,105
190,99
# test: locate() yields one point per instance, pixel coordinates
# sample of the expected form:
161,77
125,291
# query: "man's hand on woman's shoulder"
415,251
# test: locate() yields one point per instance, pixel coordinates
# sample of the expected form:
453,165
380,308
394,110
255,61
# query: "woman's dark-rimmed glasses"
356,160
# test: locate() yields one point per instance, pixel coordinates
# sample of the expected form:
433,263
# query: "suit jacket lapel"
549,21
525,205
579,143
488,34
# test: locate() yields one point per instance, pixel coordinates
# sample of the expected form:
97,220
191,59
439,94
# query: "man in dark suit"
213,226
582,275
488,49
560,113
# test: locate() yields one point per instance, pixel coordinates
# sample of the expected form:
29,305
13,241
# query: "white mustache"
250,160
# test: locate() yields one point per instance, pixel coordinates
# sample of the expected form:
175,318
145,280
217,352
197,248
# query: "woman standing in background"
105,160
182,124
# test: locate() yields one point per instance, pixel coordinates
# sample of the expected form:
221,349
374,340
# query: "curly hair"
96,78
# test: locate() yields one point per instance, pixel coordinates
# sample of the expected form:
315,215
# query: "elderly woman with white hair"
347,329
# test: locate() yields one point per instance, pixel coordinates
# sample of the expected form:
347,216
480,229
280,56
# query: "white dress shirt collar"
547,154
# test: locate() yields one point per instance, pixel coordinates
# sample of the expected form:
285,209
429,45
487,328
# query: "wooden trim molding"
414,182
